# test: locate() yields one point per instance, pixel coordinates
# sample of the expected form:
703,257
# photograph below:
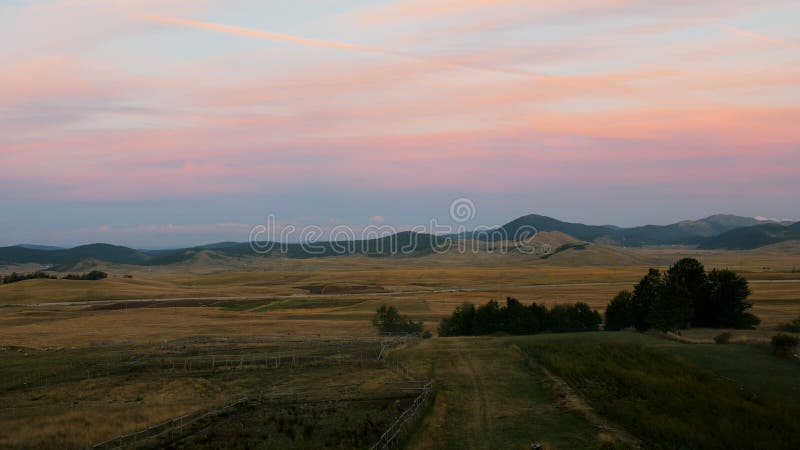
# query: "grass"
349,424
489,397
120,393
667,401
489,393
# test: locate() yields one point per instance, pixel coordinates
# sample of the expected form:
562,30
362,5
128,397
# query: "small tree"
784,344
388,320
619,312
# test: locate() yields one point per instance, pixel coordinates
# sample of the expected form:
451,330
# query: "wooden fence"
397,431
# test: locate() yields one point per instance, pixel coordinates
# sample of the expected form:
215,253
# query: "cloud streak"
451,62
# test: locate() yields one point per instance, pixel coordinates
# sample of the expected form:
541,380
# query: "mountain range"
715,232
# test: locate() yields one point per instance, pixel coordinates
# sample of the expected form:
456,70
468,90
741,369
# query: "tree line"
684,296
516,318
17,277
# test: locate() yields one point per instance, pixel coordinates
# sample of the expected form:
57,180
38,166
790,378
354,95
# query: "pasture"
87,361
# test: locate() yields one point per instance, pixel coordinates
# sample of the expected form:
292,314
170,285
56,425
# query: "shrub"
93,275
572,318
388,320
723,338
16,277
791,327
516,318
784,344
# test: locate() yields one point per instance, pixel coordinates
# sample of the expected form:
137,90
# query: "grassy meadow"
85,361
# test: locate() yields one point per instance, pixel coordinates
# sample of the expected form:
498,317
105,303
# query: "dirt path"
487,397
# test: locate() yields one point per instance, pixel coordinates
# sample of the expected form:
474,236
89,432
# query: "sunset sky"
157,123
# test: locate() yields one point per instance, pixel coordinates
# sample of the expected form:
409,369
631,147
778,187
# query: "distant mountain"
718,231
752,237
39,247
400,244
543,223
104,252
687,232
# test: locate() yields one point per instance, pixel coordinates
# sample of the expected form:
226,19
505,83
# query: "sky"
160,123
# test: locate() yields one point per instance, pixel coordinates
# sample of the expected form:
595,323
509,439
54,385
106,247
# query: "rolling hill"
714,232
105,252
752,237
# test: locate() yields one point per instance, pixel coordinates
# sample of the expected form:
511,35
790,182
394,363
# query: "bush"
518,319
791,327
723,338
16,277
388,320
784,344
92,276
572,318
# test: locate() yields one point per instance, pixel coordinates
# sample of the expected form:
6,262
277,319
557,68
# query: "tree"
728,294
573,318
521,319
672,308
489,318
645,294
619,312
460,323
387,319
688,279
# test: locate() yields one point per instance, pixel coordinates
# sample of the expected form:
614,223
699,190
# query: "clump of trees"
516,318
93,275
388,319
16,277
683,296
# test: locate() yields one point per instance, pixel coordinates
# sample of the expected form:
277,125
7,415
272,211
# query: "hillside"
104,252
544,223
714,232
752,237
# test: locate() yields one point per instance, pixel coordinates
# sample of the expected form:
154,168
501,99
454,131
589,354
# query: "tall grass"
667,402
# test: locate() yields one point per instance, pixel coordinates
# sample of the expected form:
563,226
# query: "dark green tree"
460,323
521,319
489,318
573,318
688,277
728,295
645,294
619,312
672,308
